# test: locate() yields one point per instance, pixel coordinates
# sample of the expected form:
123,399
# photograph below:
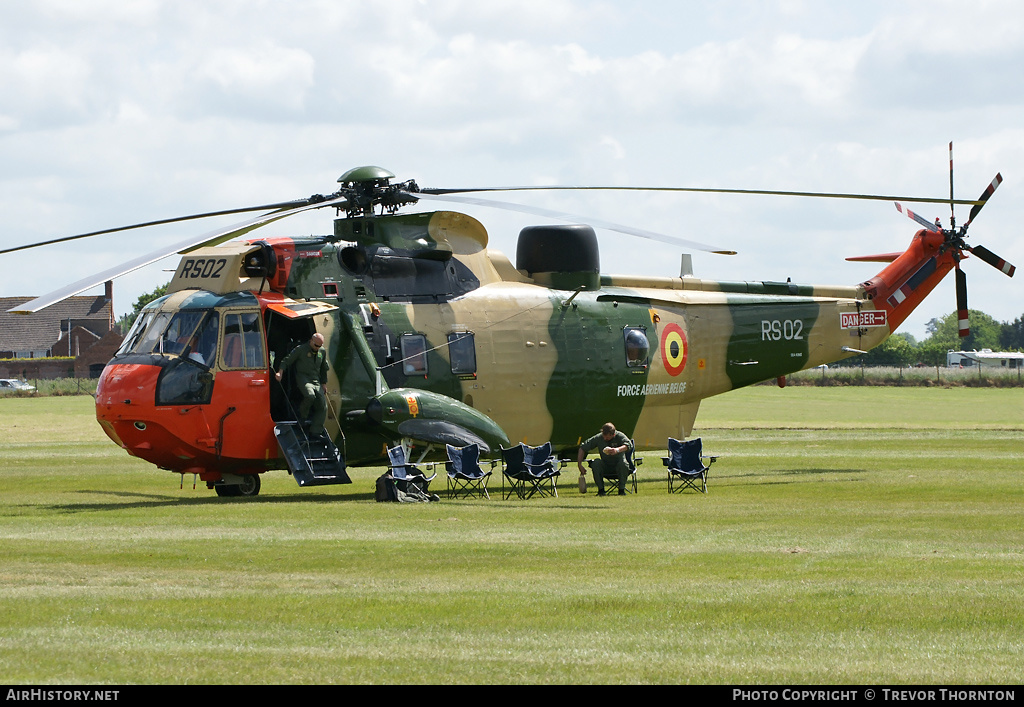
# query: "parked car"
13,385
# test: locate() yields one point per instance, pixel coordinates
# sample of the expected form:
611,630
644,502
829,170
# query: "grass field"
850,535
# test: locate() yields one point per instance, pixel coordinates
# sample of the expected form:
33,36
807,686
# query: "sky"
115,112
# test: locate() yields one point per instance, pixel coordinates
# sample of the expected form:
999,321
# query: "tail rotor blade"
992,259
952,212
917,217
986,195
962,313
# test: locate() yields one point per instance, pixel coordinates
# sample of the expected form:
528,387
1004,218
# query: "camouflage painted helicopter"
436,339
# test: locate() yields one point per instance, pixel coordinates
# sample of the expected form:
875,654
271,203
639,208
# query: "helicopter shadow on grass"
149,500
769,477
134,500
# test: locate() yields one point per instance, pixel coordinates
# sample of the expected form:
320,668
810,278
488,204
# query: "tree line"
943,336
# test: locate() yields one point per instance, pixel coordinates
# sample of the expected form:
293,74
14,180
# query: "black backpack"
386,489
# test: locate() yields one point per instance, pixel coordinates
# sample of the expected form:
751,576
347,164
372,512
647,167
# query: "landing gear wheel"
250,486
226,491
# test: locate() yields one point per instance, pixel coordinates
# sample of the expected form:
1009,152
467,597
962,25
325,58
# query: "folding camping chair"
464,472
530,470
405,473
686,466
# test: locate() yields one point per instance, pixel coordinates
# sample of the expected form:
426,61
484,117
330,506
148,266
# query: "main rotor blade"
989,190
992,259
562,216
917,217
962,313
207,239
65,239
706,190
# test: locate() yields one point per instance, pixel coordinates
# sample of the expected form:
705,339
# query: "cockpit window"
637,347
165,332
131,339
149,339
180,331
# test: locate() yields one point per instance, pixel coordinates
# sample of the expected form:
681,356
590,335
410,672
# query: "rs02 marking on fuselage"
196,268
777,330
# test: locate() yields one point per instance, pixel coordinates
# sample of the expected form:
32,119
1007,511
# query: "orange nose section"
126,410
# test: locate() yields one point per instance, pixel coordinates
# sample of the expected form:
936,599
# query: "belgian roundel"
673,349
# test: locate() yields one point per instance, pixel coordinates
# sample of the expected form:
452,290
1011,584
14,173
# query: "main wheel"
250,485
226,491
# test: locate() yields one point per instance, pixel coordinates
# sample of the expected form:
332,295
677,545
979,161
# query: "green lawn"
854,535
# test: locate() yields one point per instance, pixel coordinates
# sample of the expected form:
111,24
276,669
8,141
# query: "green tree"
985,332
895,351
932,353
1012,336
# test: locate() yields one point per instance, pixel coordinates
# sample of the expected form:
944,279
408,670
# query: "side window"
414,354
243,341
462,352
637,347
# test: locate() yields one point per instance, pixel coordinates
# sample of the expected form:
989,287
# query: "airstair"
313,461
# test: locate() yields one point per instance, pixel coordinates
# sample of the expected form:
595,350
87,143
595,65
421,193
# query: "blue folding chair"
686,466
464,472
513,470
405,473
530,470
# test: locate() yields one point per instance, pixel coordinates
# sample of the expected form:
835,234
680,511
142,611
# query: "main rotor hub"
366,187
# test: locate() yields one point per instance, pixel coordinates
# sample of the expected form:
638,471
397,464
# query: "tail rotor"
955,240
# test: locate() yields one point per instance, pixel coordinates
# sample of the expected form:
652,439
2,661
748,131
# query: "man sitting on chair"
310,362
612,446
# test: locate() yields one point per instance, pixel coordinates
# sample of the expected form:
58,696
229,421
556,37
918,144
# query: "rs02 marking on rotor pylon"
779,329
196,268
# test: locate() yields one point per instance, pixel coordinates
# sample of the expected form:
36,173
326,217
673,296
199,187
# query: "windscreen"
172,333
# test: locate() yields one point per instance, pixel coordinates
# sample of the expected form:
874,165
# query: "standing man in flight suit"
310,362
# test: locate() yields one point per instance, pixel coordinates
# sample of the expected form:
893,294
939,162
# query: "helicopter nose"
120,410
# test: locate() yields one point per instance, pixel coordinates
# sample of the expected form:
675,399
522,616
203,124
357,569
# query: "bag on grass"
386,490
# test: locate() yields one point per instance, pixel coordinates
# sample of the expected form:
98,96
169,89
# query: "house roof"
38,331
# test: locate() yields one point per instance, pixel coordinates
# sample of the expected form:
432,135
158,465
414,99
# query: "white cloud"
265,78
44,85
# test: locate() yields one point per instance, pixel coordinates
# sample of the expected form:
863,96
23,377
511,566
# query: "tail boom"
903,285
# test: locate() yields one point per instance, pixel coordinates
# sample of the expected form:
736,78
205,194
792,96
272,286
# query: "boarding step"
312,461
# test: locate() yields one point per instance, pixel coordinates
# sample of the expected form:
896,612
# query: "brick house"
79,327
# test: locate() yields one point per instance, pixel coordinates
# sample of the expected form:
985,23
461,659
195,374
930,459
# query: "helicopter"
435,339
